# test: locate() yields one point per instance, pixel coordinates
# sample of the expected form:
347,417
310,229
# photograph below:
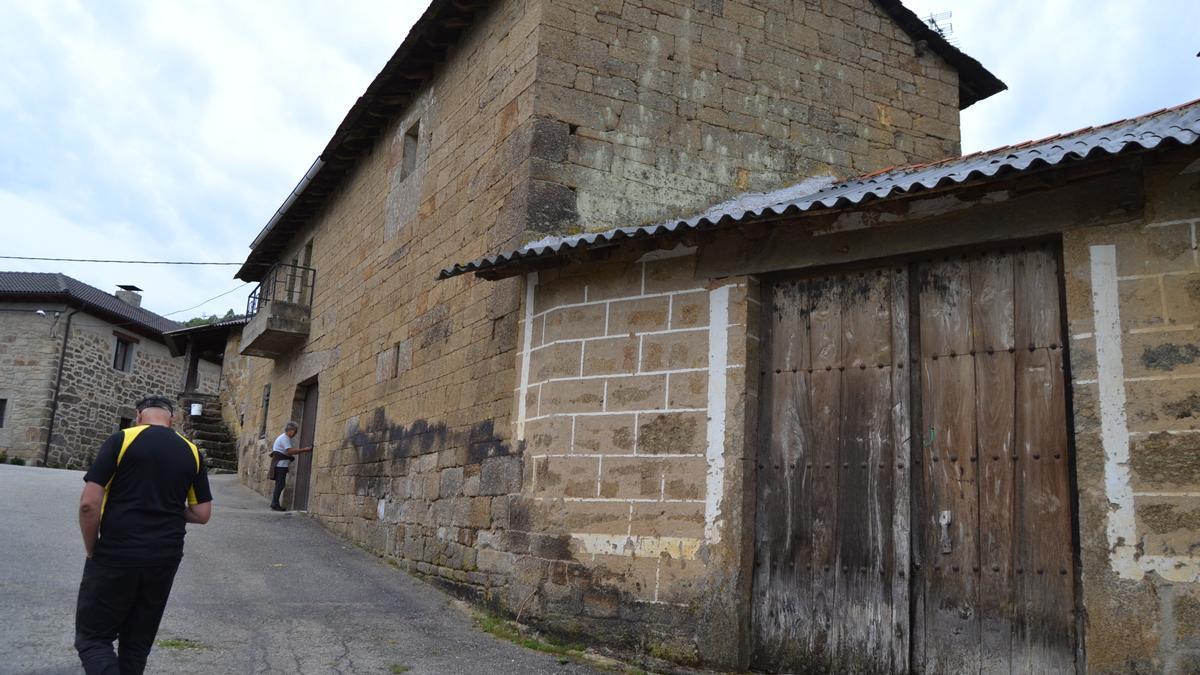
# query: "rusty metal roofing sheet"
1180,124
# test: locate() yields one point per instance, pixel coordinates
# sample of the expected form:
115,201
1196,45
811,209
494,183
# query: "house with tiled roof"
685,327
74,360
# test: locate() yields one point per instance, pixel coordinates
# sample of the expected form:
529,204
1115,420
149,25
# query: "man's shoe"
275,507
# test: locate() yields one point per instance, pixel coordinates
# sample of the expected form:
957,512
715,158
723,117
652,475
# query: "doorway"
914,504
305,407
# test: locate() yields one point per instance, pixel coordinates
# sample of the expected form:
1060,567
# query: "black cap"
156,402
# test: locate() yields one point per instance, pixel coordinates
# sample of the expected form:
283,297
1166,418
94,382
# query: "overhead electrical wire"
125,262
238,288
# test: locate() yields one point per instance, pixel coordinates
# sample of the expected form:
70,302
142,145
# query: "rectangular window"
266,404
3,408
125,423
409,161
123,356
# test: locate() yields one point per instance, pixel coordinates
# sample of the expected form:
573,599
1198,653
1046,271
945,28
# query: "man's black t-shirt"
148,486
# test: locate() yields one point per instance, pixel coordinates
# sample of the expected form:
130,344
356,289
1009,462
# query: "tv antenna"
940,23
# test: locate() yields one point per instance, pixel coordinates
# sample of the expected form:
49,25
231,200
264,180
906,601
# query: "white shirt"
283,444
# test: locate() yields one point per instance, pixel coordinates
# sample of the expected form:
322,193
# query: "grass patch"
179,643
398,668
508,630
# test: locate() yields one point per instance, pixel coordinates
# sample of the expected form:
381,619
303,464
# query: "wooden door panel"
995,445
783,566
840,471
995,416
826,501
308,434
1045,630
951,549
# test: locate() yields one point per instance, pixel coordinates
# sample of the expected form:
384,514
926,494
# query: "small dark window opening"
409,161
125,423
266,404
3,408
123,357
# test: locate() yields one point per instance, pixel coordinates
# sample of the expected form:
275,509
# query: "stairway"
208,432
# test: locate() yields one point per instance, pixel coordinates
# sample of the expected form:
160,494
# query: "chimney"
129,294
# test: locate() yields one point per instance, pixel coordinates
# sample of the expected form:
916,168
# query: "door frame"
911,261
307,418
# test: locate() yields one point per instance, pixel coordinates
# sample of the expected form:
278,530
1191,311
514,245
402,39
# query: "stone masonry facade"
659,108
28,363
631,411
93,395
418,454
1134,315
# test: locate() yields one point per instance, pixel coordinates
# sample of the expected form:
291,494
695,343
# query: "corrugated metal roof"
53,286
1180,124
414,62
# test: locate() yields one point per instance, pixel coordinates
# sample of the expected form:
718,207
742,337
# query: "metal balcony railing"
287,283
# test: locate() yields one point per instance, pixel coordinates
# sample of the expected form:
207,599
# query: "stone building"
767,433
73,361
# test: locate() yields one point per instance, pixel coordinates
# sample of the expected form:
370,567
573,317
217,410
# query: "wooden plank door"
992,523
308,434
831,553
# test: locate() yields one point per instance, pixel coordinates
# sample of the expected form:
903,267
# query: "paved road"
261,592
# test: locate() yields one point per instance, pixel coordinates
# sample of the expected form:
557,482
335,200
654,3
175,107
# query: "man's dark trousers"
124,603
280,481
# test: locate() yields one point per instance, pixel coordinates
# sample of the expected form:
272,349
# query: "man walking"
282,453
146,483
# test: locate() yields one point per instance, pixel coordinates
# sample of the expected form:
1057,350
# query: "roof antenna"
940,23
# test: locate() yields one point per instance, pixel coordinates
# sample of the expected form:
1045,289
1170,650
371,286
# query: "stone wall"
94,395
416,453
630,411
29,346
415,376
1134,310
650,109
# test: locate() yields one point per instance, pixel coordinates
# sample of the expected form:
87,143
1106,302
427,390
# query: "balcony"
279,310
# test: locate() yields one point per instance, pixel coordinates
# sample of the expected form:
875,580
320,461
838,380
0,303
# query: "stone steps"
209,433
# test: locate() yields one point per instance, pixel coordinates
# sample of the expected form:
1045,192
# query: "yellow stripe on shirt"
128,435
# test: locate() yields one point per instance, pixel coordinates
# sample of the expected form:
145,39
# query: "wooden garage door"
988,586
827,590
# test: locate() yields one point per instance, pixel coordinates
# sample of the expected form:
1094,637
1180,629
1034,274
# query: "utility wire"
178,311
125,262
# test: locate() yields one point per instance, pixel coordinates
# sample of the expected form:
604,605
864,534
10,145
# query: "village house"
74,360
684,326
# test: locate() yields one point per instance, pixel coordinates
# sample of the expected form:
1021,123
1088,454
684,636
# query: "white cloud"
1070,64
172,129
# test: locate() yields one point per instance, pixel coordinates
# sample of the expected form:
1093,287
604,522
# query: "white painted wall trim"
718,355
1114,429
531,281
682,548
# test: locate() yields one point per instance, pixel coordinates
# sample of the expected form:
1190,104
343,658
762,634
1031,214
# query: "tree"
205,320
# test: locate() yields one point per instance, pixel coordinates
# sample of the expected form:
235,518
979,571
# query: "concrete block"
611,356
641,392
604,434
637,316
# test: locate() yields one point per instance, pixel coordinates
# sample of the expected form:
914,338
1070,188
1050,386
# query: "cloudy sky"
173,129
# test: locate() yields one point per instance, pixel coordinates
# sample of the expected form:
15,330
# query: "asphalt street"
258,592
